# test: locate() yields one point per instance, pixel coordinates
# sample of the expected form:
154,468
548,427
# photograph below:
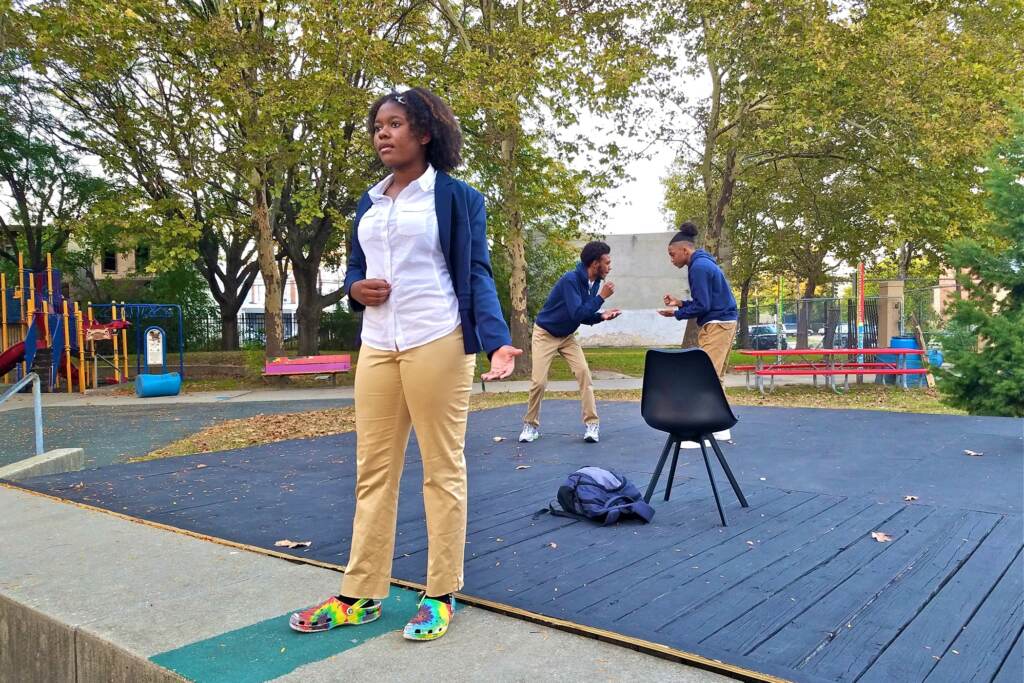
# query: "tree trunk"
266,257
520,327
743,333
309,308
802,312
229,278
309,327
690,334
716,223
516,244
229,330
906,255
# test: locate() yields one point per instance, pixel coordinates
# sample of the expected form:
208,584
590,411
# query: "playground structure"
68,346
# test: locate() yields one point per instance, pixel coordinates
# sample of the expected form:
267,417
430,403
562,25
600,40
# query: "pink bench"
309,365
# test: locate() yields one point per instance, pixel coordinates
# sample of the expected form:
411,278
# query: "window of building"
109,264
141,258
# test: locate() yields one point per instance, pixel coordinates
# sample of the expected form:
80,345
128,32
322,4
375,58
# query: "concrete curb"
36,647
57,461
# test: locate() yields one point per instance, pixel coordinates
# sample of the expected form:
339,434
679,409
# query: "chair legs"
672,470
728,471
657,470
711,478
672,441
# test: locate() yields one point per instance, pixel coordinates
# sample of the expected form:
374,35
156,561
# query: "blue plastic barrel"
149,386
912,362
935,358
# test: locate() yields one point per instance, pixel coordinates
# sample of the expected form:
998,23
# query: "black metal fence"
338,331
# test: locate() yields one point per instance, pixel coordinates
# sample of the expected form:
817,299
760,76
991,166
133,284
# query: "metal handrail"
37,402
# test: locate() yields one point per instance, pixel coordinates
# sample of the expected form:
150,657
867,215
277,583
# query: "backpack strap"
556,512
643,510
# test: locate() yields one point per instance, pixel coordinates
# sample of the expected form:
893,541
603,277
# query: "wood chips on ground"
263,429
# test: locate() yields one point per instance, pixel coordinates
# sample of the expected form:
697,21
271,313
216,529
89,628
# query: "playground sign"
156,348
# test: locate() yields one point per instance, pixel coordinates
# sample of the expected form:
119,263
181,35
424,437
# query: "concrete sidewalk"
87,596
332,393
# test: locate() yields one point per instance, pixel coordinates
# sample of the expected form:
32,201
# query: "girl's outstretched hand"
503,362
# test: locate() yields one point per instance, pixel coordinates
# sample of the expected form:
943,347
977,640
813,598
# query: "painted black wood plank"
589,543
681,583
908,657
853,590
1012,670
841,635
563,594
756,587
708,578
979,651
915,525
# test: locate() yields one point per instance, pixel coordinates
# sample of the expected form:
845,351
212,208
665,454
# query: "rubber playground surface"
797,587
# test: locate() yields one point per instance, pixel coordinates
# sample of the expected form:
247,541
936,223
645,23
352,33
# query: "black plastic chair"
682,396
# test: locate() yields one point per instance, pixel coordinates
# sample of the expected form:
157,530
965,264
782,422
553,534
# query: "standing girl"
419,269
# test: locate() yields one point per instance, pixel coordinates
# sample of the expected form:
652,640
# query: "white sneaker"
593,433
529,434
724,435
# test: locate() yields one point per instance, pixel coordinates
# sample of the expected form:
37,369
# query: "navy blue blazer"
462,228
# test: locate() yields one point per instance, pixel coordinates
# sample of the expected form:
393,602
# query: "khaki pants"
716,340
544,348
426,388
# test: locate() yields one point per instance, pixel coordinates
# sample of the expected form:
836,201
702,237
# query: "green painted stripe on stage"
270,648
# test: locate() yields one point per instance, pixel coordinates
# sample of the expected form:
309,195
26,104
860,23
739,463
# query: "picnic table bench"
828,363
309,365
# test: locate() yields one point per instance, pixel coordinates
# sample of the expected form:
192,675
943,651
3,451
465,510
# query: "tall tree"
869,87
520,74
46,192
130,85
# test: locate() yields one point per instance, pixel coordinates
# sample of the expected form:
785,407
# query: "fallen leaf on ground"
881,536
552,545
286,543
976,454
750,543
522,467
201,466
910,499
499,439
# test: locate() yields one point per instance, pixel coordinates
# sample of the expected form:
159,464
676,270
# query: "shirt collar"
425,182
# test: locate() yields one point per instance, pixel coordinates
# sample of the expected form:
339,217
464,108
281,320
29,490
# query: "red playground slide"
11,357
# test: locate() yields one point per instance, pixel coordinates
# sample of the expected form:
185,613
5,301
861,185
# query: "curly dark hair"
427,113
687,232
592,251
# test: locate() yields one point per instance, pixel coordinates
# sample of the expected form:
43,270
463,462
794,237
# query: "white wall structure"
642,275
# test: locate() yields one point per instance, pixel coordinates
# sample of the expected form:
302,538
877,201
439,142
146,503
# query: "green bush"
987,377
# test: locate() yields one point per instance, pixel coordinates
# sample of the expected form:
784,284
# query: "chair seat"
683,397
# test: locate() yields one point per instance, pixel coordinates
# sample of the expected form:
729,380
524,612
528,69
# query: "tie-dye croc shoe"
333,612
431,620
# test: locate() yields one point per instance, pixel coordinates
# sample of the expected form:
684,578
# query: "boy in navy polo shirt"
575,300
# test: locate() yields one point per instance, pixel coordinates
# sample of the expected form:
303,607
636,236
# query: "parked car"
789,329
765,337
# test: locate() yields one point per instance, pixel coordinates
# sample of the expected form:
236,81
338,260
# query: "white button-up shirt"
400,240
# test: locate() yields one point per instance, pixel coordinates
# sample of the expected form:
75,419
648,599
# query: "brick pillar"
890,301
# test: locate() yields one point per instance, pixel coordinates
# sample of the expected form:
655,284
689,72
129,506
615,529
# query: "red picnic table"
829,363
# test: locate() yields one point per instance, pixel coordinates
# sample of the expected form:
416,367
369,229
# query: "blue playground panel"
795,587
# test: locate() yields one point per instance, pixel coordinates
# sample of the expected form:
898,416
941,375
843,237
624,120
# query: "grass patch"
262,429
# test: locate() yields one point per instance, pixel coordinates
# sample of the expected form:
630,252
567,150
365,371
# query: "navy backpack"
599,495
